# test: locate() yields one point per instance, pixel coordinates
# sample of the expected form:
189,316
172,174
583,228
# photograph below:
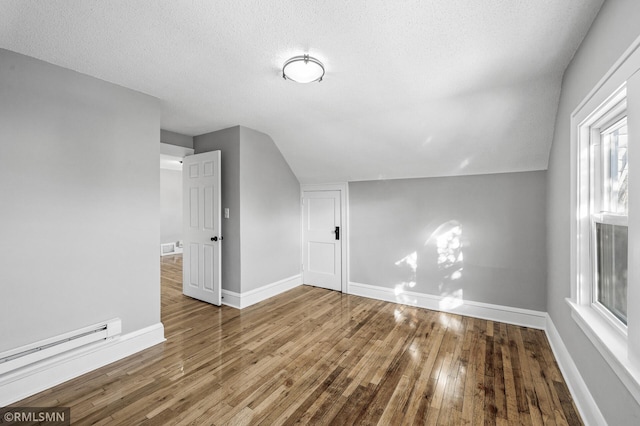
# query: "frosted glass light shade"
303,69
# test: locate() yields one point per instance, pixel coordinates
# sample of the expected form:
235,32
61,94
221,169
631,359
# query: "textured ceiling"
413,88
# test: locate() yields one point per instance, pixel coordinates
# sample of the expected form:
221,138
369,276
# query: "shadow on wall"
441,262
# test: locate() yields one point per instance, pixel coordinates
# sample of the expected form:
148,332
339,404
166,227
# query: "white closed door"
322,239
201,275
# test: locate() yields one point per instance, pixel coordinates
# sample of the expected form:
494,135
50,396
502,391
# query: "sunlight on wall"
410,260
449,247
448,238
444,248
464,163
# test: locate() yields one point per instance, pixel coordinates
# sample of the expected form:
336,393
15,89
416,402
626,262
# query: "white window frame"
591,145
608,101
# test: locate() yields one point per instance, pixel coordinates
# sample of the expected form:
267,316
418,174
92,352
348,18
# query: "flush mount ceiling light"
303,69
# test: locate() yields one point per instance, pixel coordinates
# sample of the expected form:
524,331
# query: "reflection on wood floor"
312,356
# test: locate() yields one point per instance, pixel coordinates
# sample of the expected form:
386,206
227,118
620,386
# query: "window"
604,293
605,231
608,198
601,234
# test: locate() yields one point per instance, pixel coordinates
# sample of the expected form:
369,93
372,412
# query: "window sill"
610,343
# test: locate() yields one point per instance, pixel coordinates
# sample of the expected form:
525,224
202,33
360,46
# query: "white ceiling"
413,88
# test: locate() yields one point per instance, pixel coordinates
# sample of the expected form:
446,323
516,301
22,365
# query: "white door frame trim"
343,187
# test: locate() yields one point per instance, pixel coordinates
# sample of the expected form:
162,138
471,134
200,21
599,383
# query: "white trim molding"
611,345
251,297
34,378
231,298
583,399
506,314
175,150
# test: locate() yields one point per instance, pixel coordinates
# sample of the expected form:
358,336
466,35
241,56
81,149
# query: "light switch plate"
226,213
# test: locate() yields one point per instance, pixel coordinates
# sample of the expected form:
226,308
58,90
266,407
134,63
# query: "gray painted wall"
176,139
270,202
228,142
80,202
170,206
262,235
502,222
613,30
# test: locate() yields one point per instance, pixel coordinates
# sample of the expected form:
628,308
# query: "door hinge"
303,267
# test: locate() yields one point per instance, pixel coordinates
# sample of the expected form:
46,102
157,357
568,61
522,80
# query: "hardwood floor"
312,356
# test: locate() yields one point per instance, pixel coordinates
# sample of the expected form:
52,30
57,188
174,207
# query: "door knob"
214,238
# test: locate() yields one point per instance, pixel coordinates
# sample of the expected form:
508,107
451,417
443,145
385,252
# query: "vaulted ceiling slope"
413,88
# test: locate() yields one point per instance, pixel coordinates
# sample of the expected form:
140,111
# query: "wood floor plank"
479,352
313,356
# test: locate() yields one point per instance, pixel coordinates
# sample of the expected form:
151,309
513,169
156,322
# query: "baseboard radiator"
171,248
29,354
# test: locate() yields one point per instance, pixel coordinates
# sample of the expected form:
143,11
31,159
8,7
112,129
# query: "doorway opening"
171,157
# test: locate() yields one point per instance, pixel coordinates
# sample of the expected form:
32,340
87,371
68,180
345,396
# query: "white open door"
322,245
201,275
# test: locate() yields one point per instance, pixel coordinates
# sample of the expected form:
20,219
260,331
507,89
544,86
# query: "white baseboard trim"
248,298
507,314
29,380
583,399
231,298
